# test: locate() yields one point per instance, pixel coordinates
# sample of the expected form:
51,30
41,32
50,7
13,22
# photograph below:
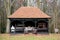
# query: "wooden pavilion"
29,16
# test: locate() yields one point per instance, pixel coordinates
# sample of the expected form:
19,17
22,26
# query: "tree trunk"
8,4
7,8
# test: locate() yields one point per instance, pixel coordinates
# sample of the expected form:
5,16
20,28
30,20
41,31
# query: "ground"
29,37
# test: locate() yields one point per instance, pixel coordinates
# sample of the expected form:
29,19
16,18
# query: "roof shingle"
29,12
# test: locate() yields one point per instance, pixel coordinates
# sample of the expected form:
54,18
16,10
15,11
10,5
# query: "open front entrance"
19,27
16,23
29,23
39,25
42,26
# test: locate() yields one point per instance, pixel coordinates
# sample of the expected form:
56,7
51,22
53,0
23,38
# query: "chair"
34,30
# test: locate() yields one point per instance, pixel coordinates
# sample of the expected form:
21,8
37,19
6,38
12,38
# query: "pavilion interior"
41,24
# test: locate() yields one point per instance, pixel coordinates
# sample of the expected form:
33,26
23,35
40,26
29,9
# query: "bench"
19,29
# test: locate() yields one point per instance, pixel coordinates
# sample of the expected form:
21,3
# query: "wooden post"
35,23
23,22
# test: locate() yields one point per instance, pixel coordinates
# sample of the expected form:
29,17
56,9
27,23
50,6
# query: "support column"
35,23
23,23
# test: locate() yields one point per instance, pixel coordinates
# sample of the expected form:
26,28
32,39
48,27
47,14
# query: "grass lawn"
30,37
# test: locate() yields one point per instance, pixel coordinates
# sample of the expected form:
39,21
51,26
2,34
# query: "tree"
2,17
7,5
53,10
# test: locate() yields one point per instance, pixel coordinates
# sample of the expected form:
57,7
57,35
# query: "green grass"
30,37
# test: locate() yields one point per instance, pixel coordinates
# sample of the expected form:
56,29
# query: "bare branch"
13,2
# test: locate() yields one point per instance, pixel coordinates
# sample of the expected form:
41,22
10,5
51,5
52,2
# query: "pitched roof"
29,12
